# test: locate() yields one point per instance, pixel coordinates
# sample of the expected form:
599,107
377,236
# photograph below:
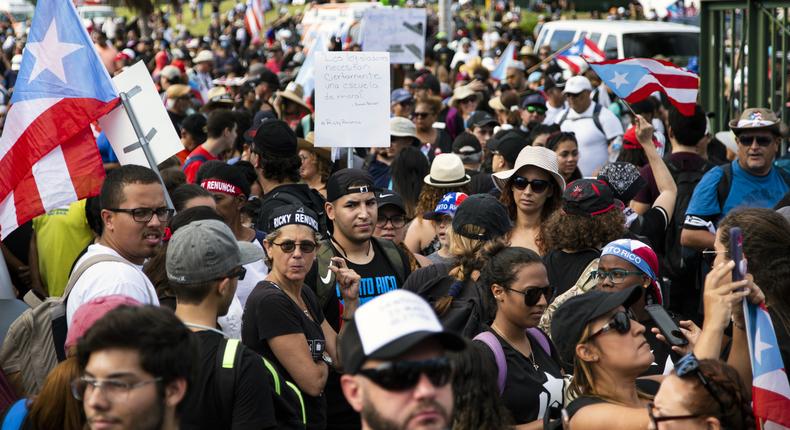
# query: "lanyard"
205,327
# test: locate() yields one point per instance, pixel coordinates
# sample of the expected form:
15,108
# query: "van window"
595,37
610,49
560,38
678,47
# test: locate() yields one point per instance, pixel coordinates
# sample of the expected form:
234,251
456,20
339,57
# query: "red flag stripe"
573,66
644,92
85,164
769,405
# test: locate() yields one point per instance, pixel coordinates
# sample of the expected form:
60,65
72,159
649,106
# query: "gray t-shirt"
438,259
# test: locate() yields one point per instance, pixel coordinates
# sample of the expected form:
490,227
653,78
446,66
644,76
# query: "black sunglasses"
689,366
620,322
289,246
145,214
538,185
421,114
747,140
532,295
404,375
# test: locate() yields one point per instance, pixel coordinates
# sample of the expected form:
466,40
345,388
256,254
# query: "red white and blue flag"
577,55
635,79
254,18
770,388
48,155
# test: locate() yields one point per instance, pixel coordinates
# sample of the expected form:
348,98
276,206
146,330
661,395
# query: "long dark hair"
408,170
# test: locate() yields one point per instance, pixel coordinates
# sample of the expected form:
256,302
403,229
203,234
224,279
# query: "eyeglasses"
404,375
422,115
709,255
532,295
748,140
620,322
238,273
615,275
689,365
145,214
443,220
114,389
654,420
538,185
397,221
538,109
289,246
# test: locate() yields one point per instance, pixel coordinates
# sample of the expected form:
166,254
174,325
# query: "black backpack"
723,187
596,117
284,197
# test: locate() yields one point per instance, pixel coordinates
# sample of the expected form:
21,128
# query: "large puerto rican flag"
582,51
254,18
48,155
770,388
634,79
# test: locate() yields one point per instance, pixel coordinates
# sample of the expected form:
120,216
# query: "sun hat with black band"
447,170
348,181
292,214
481,217
570,319
389,326
537,156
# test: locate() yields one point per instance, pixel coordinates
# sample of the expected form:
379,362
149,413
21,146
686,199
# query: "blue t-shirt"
746,190
105,149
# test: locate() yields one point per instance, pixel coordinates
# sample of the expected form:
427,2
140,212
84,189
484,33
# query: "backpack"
229,361
35,341
283,197
723,187
191,160
595,117
492,342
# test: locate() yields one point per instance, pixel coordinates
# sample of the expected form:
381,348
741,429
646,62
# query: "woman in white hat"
465,99
531,192
447,175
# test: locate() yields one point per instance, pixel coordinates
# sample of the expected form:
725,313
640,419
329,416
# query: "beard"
376,421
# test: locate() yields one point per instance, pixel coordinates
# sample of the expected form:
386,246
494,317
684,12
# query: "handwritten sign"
352,91
401,32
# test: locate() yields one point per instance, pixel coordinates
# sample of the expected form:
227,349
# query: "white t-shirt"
108,278
231,322
553,114
256,272
593,145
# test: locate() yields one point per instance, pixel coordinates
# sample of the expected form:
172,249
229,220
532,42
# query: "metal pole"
144,145
350,158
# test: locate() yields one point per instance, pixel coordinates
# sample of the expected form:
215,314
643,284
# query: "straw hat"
462,93
218,97
293,92
447,170
537,156
308,143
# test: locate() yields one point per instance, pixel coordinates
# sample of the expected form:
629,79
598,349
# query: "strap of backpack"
596,117
395,258
563,117
191,160
784,174
15,415
227,364
277,385
493,344
75,275
298,393
324,289
723,187
543,341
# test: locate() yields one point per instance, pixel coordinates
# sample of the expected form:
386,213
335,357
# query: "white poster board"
332,19
352,99
401,32
151,115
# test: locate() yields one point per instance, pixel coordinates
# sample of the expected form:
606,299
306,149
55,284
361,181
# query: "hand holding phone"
666,325
736,253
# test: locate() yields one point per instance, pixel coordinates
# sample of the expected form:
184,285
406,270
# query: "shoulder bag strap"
492,342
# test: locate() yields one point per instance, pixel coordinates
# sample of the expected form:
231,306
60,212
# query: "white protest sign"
352,99
401,32
163,140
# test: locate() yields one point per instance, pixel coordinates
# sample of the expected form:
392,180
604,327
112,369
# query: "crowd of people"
497,266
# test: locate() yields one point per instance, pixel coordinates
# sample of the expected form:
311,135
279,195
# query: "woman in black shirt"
283,321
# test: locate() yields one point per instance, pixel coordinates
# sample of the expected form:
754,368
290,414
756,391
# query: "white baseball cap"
577,84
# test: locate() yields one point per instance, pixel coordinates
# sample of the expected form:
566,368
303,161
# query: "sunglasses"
468,100
709,256
747,140
532,295
289,246
421,115
404,375
538,109
689,366
238,273
538,185
397,221
620,322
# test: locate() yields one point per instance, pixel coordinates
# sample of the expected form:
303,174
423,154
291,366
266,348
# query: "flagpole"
138,130
549,58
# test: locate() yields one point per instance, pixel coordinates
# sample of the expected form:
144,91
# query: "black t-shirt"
660,350
253,404
564,268
270,313
481,183
528,391
652,226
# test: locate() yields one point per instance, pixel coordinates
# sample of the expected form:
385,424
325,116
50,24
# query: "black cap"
570,319
466,144
534,99
481,217
274,138
588,197
266,76
549,83
291,214
348,181
480,118
390,198
195,125
508,144
428,82
259,118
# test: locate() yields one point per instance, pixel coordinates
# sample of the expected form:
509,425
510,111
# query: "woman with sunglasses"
520,287
425,115
606,351
701,394
531,192
465,99
283,320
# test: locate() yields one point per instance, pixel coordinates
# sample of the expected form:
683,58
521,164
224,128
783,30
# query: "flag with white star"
577,55
48,153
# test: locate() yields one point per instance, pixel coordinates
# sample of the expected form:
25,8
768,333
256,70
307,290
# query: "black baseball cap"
549,83
390,198
534,99
480,118
481,217
292,214
570,319
429,82
588,197
257,120
348,181
508,144
466,144
274,138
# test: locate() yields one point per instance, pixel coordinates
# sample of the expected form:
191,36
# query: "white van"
626,39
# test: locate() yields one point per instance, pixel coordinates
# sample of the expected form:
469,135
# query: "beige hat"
496,104
203,56
218,97
402,127
756,119
178,90
293,92
170,72
462,93
308,143
447,170
537,156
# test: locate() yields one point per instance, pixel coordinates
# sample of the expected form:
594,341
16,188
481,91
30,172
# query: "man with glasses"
134,216
391,225
399,377
136,365
750,180
597,129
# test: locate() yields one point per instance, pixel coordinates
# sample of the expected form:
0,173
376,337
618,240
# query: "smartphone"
736,253
666,325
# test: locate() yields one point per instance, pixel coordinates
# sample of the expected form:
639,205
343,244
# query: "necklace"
296,302
205,327
530,357
343,250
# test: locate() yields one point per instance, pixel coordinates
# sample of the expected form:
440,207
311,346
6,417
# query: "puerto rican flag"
770,388
254,18
581,52
48,155
635,79
507,58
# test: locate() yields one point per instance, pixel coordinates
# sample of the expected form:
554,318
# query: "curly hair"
281,169
735,411
576,232
431,195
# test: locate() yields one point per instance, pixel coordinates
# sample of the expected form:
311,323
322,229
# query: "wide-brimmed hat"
462,93
308,143
756,119
402,127
537,156
218,97
293,92
447,170
203,56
